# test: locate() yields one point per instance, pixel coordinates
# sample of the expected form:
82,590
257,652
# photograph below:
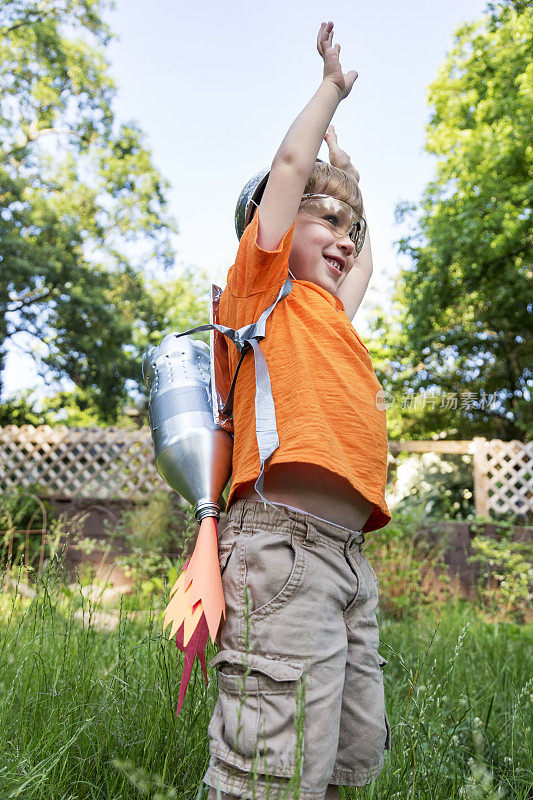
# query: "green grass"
90,714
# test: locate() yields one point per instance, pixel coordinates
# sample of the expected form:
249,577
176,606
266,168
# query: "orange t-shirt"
323,382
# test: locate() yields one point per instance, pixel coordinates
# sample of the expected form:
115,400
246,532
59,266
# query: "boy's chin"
326,282
329,286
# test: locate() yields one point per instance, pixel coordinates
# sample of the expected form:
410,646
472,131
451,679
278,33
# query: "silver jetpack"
191,433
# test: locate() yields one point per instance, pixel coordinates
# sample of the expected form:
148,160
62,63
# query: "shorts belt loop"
310,534
358,537
243,509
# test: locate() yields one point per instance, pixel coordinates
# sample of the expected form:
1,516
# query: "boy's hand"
337,157
332,68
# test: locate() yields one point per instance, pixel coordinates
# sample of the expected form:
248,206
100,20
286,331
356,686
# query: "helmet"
249,199
253,191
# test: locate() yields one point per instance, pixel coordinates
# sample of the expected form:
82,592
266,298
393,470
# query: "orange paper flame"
197,601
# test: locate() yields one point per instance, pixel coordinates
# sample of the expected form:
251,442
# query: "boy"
300,595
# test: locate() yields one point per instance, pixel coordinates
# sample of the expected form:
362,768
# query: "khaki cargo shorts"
299,648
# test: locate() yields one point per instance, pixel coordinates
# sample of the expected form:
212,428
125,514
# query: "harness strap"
265,414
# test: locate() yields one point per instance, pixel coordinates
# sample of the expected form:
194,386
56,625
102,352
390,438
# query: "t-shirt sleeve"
257,270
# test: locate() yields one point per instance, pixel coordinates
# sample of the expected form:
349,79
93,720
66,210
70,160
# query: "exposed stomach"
315,491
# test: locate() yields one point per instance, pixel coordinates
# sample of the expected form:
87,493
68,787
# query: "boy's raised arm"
354,286
294,160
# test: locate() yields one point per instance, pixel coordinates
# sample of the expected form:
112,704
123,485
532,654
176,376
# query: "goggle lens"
337,215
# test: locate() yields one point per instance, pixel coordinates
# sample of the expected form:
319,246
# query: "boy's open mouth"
335,264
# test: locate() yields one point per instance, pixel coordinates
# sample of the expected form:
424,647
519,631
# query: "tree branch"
34,134
27,301
37,15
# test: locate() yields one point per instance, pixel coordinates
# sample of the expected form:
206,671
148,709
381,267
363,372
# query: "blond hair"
326,179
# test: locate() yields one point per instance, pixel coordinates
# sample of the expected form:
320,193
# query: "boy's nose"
345,243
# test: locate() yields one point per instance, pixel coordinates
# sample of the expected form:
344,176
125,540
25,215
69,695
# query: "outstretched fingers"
331,134
325,37
337,156
331,56
350,78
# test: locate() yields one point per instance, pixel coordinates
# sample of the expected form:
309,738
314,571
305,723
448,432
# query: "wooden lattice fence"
113,463
105,463
503,471
505,476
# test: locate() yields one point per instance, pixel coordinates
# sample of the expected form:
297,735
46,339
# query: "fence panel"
82,462
508,476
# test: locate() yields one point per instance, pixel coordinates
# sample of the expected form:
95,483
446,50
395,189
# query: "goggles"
336,215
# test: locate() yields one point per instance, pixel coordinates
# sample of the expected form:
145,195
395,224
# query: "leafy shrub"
19,509
442,485
408,557
505,582
155,533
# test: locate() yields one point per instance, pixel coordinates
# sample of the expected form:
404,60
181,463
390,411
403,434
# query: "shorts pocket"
226,544
275,565
254,723
371,569
223,556
355,599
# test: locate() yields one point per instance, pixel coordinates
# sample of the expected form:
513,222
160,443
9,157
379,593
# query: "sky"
215,86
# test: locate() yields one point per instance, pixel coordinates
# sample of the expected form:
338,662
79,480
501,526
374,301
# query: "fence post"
481,496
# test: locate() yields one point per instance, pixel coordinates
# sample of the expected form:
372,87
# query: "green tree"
84,219
462,321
